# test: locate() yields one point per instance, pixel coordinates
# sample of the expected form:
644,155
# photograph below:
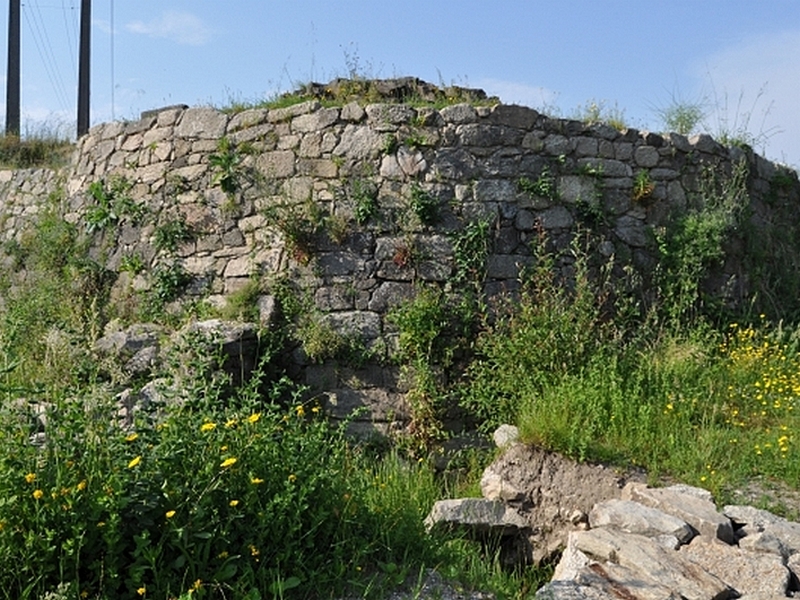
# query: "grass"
45,150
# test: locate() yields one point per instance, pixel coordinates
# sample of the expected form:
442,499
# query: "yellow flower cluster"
765,379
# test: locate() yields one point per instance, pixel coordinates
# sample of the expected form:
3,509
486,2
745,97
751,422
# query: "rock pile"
631,541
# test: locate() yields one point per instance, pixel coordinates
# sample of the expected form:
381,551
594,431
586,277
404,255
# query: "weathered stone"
387,117
277,164
633,517
746,572
315,121
359,143
557,217
475,516
649,563
411,162
483,136
697,512
646,156
607,167
459,114
366,324
505,436
390,294
513,115
761,521
202,123
279,115
703,142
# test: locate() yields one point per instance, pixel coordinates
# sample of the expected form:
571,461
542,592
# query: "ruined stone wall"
374,195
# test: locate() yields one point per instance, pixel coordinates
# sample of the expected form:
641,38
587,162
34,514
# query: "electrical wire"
45,50
71,39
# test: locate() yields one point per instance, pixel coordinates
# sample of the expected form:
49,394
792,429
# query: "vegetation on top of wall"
46,150
340,91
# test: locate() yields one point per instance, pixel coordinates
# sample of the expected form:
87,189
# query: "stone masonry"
316,167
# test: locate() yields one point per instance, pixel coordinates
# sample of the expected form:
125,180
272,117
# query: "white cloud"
756,84
178,26
513,92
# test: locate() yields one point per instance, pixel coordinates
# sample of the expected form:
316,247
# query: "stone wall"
358,204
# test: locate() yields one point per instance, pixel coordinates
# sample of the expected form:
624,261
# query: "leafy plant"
299,223
171,233
643,186
364,197
132,263
389,144
227,164
470,251
694,241
111,203
168,280
543,186
423,205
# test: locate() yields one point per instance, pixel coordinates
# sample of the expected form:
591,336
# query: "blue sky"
741,59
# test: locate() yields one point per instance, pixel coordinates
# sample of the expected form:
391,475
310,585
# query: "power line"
70,38
44,48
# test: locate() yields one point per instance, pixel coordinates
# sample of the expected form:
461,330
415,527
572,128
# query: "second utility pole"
12,74
83,67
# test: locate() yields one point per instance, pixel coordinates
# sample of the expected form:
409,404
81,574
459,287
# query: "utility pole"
83,67
12,73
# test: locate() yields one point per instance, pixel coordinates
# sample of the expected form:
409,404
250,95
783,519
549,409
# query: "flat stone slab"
746,572
476,516
649,563
698,512
633,517
766,527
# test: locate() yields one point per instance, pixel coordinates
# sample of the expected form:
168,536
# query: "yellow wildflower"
30,477
230,423
300,411
254,418
223,554
292,478
256,480
209,426
253,550
82,485
228,462
169,514
141,591
131,437
38,494
233,503
135,462
196,585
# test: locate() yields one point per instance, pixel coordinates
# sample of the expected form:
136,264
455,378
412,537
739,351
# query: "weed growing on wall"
111,202
423,205
226,163
554,329
471,246
299,224
543,186
171,233
695,239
